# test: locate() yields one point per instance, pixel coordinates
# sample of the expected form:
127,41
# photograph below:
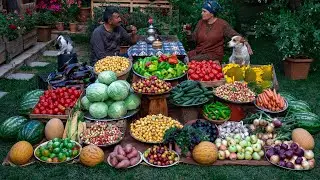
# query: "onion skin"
308,154
298,167
275,159
312,163
305,165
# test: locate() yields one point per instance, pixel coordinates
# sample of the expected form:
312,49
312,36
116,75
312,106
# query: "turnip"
269,142
274,159
305,165
298,167
308,154
312,163
261,153
256,122
277,123
290,165
256,156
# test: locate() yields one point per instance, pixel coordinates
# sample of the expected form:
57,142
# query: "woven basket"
215,121
212,83
123,75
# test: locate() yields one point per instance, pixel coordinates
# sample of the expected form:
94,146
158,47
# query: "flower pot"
297,68
29,39
73,27
60,26
44,33
14,47
84,14
3,53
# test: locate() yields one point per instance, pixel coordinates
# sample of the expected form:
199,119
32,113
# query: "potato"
134,153
123,164
116,149
121,157
134,161
113,154
128,148
121,151
114,161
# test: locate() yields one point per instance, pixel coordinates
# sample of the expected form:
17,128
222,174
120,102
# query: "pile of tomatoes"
206,70
55,102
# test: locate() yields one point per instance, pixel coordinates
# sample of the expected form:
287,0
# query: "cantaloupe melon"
205,153
21,152
303,138
54,129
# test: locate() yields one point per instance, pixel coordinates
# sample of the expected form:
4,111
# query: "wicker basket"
123,75
212,83
215,121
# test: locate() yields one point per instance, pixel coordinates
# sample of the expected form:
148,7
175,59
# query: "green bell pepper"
152,68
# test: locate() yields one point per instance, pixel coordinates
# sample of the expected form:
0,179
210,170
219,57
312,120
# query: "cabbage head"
118,91
97,92
85,102
98,110
132,102
117,110
107,77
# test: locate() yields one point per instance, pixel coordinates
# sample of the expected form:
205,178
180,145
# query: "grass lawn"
265,53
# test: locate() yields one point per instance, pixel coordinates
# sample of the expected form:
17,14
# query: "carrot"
281,104
267,92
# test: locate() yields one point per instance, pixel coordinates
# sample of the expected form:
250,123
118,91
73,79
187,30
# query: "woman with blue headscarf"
209,34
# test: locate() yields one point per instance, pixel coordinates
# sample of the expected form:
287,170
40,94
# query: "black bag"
65,59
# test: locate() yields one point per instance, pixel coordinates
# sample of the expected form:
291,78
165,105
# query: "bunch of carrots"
270,100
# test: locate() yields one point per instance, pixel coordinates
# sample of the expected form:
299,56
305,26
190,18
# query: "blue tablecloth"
144,49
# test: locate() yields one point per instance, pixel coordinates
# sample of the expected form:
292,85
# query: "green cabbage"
85,102
109,102
118,91
132,102
117,110
97,92
98,110
127,84
107,77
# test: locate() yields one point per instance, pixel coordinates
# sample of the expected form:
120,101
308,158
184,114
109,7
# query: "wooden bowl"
122,75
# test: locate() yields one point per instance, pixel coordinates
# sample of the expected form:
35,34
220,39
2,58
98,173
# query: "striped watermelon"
33,132
10,128
29,101
288,96
299,106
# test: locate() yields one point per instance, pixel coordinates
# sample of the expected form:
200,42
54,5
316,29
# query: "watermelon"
33,132
299,106
29,101
288,96
308,121
10,128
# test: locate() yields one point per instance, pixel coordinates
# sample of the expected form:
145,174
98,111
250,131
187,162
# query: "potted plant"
72,9
296,35
29,31
85,10
10,30
44,22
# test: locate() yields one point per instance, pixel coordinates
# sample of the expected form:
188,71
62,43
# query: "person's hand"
249,48
187,29
133,29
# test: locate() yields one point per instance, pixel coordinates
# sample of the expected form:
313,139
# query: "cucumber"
188,102
184,98
193,94
188,88
196,100
195,90
178,95
208,93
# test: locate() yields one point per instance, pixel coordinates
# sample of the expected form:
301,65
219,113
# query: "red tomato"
36,111
218,68
201,75
55,110
194,76
206,78
45,104
43,112
73,88
50,112
64,89
68,101
211,75
190,71
214,71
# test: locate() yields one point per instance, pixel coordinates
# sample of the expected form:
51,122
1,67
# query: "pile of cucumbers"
189,93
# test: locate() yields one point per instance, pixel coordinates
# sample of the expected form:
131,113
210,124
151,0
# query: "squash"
54,129
91,155
21,152
303,138
205,153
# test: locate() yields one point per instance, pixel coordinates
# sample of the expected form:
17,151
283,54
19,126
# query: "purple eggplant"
294,146
289,154
270,152
284,146
282,163
290,165
298,160
299,152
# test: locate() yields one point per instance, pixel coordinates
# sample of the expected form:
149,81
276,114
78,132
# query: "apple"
261,153
221,155
233,156
248,139
232,148
256,156
218,145
248,155
239,148
240,155
232,142
218,140
249,144
254,139
249,149
227,152
223,148
228,138
237,137
243,143
256,147
225,142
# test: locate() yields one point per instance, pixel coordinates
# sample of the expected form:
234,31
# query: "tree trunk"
294,4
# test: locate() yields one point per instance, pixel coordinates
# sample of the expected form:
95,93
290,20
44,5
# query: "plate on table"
140,154
130,113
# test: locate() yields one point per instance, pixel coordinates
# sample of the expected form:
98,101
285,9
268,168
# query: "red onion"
277,123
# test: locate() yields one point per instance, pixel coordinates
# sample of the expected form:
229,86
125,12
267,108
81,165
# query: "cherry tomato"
206,78
55,110
211,75
194,76
68,101
50,112
70,91
72,97
41,108
36,111
62,101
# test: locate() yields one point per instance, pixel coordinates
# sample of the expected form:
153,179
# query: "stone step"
2,93
38,64
50,53
20,76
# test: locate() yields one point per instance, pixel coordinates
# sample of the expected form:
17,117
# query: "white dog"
240,54
64,44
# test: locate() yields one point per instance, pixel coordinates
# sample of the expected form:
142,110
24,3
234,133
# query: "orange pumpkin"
205,153
21,152
91,155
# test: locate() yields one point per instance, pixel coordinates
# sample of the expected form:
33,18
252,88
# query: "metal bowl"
273,112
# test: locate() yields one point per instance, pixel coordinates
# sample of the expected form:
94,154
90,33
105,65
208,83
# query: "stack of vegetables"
164,67
109,97
271,100
259,76
189,93
235,92
116,64
204,71
217,111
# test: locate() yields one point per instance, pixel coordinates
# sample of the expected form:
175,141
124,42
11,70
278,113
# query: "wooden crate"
131,4
29,39
2,51
14,47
